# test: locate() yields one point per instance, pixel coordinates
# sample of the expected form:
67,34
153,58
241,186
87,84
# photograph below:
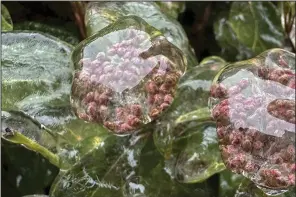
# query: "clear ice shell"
125,76
253,103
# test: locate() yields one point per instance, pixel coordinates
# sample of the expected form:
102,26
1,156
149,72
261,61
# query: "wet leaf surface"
199,159
288,19
191,99
63,33
6,22
229,183
171,8
248,29
25,176
27,126
256,25
100,14
175,156
31,81
102,171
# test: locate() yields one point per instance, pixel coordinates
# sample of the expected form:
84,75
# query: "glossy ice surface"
253,103
100,14
125,78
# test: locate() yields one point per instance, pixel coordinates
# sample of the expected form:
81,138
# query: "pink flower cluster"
121,89
254,108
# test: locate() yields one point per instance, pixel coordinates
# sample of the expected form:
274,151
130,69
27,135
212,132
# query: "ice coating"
123,81
126,68
253,103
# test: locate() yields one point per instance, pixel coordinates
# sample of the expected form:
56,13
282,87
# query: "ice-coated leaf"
200,157
171,8
213,63
159,184
154,179
199,115
100,14
23,171
256,25
62,33
290,193
19,128
192,99
36,79
36,76
248,189
103,171
6,22
17,138
248,29
288,19
229,183
27,126
232,49
76,140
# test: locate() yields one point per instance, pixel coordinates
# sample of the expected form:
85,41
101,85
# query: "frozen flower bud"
120,72
256,103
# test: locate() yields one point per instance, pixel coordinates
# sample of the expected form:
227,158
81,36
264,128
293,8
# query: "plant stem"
200,115
17,138
78,11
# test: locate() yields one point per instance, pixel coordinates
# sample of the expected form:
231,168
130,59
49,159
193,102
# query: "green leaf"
191,100
154,179
74,143
288,19
27,126
200,158
232,49
171,8
256,25
100,14
36,79
159,184
213,63
248,29
23,171
61,32
103,171
248,189
34,83
198,115
17,138
36,76
19,128
229,183
6,22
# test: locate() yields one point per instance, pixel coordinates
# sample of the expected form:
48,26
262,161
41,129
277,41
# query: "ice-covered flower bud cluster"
127,81
253,103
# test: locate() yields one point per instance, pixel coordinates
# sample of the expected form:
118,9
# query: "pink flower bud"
158,99
89,97
125,127
92,109
136,110
151,87
168,98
